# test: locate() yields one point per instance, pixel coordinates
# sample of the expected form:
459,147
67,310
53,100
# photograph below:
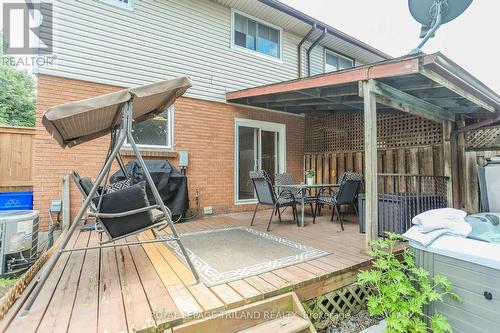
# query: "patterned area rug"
229,254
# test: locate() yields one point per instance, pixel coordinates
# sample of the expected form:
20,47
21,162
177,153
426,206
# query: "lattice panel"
336,305
486,138
336,131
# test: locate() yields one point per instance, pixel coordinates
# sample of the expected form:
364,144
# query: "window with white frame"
156,132
255,35
127,4
335,61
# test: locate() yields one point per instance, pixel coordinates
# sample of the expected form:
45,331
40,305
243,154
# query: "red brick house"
223,46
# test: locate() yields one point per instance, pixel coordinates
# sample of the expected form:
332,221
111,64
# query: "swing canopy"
74,123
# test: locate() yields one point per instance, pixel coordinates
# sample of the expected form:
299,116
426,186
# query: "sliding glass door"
259,146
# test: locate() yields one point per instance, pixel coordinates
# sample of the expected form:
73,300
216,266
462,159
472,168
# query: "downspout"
299,48
309,50
454,153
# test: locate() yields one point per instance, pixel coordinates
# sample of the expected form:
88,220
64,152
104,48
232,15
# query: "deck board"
112,317
162,306
58,314
135,288
31,322
137,309
86,306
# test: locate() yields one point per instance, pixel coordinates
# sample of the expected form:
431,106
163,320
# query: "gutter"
309,50
332,31
299,48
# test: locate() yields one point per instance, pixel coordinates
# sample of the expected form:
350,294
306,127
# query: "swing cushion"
119,185
126,199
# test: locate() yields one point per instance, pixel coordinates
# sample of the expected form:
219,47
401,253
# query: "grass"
6,284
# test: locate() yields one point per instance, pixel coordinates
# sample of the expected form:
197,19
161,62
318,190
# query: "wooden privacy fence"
16,158
424,160
470,192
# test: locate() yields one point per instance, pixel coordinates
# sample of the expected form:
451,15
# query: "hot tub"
473,267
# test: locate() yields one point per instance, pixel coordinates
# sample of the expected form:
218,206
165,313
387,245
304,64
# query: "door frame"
280,128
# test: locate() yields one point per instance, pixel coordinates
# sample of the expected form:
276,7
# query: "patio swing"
121,209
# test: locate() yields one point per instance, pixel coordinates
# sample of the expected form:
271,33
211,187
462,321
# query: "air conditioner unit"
18,240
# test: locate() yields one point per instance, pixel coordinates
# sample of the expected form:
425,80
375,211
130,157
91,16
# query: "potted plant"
400,290
310,176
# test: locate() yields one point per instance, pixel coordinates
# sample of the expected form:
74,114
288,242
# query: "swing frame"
125,131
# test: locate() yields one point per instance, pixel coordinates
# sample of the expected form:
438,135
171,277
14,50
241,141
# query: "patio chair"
287,178
346,194
266,196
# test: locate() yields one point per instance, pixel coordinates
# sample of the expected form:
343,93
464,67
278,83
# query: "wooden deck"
148,289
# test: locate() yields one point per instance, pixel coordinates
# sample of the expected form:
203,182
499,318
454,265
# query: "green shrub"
399,289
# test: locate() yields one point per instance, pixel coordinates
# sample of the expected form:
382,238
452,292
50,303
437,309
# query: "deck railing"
403,196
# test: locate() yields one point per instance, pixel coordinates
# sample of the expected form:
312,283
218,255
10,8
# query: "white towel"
460,229
443,218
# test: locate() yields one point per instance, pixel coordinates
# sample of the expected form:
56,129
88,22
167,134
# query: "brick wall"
204,129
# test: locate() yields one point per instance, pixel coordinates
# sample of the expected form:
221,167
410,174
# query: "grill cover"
170,182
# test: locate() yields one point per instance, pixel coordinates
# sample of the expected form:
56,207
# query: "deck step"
290,323
280,314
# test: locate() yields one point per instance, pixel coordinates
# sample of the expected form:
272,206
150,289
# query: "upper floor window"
127,4
335,61
156,132
255,35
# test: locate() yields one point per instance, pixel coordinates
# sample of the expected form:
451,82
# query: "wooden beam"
371,191
16,183
456,89
402,101
351,76
17,130
447,172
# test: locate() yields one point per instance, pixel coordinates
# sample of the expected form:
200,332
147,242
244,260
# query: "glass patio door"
259,146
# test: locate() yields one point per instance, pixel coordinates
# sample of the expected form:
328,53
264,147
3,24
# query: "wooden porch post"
371,194
447,156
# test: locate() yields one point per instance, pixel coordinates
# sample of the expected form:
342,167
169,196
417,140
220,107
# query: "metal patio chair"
267,196
287,178
346,194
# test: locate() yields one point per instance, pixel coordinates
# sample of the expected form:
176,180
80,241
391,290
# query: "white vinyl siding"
160,40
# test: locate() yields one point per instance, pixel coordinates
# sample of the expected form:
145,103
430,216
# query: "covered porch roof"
430,86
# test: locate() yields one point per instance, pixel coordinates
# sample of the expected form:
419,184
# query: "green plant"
310,173
17,95
400,290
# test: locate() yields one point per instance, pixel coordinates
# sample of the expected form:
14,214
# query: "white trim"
119,4
281,150
326,50
255,52
169,146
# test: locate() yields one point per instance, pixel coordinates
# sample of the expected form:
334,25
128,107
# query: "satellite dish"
433,13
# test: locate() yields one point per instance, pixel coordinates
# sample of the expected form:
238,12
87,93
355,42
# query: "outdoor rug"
229,254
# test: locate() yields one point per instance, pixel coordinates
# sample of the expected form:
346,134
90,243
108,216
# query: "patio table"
303,189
